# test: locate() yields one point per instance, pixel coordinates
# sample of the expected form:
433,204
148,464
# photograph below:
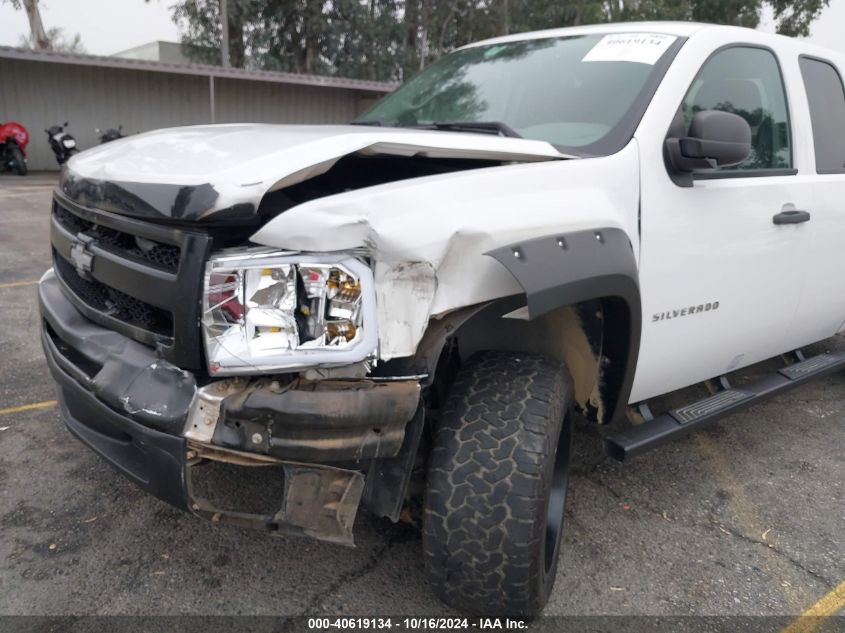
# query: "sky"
106,26
110,26
828,30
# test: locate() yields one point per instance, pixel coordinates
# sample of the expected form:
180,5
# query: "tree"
57,41
391,39
39,39
199,24
795,18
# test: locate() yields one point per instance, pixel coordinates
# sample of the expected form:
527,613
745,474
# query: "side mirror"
716,139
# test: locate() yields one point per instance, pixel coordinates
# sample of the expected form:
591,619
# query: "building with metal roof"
43,88
157,51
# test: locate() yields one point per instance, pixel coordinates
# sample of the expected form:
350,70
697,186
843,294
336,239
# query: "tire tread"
489,473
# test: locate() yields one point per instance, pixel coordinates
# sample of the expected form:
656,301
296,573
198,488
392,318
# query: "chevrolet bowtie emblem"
83,259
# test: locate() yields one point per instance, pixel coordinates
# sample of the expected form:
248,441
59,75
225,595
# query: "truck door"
822,309
721,277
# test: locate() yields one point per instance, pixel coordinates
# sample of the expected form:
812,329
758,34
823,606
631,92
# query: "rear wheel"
496,486
18,161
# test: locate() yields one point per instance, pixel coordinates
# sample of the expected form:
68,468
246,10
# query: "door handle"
791,217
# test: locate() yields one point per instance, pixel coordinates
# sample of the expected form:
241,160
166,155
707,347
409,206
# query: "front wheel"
18,161
496,486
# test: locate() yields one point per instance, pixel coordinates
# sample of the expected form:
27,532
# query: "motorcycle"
62,143
13,141
111,134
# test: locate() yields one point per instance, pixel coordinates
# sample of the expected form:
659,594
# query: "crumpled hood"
428,236
192,173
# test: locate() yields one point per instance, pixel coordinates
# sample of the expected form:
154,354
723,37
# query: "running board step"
679,422
710,406
810,366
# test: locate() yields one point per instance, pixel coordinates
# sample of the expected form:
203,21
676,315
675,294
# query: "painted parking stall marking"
813,618
45,404
18,284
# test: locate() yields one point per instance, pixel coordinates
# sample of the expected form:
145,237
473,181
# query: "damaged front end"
290,499
281,453
322,421
319,437
257,326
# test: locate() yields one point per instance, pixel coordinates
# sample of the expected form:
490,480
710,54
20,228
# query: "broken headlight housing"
266,311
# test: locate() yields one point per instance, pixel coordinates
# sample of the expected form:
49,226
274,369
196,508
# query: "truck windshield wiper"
481,127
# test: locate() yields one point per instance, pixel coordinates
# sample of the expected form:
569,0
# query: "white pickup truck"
403,313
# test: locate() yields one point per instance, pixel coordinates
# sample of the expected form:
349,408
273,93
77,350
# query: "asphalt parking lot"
747,518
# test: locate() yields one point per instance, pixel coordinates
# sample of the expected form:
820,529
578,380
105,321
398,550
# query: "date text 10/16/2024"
415,623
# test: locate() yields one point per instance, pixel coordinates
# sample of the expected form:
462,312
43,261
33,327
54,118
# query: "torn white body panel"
408,288
449,221
243,162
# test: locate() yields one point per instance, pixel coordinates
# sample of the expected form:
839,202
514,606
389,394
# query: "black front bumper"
153,460
75,348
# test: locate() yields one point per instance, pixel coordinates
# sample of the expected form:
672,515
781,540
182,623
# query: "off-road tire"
499,459
18,159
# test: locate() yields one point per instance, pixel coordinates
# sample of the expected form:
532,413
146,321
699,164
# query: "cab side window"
827,113
746,81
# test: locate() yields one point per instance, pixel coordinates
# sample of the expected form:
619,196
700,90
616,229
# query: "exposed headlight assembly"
269,311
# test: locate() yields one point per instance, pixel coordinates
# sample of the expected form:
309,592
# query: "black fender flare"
567,268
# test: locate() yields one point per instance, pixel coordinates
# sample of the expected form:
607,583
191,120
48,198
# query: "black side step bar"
679,422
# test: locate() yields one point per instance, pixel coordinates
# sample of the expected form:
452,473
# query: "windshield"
584,94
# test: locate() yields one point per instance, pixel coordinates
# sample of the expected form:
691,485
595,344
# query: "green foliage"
391,39
794,18
58,41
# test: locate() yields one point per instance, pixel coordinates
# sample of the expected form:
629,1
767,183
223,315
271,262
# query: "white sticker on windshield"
642,48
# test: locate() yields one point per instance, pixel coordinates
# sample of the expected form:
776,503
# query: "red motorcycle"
13,141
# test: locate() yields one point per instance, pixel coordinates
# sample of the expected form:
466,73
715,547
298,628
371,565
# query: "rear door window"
826,96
